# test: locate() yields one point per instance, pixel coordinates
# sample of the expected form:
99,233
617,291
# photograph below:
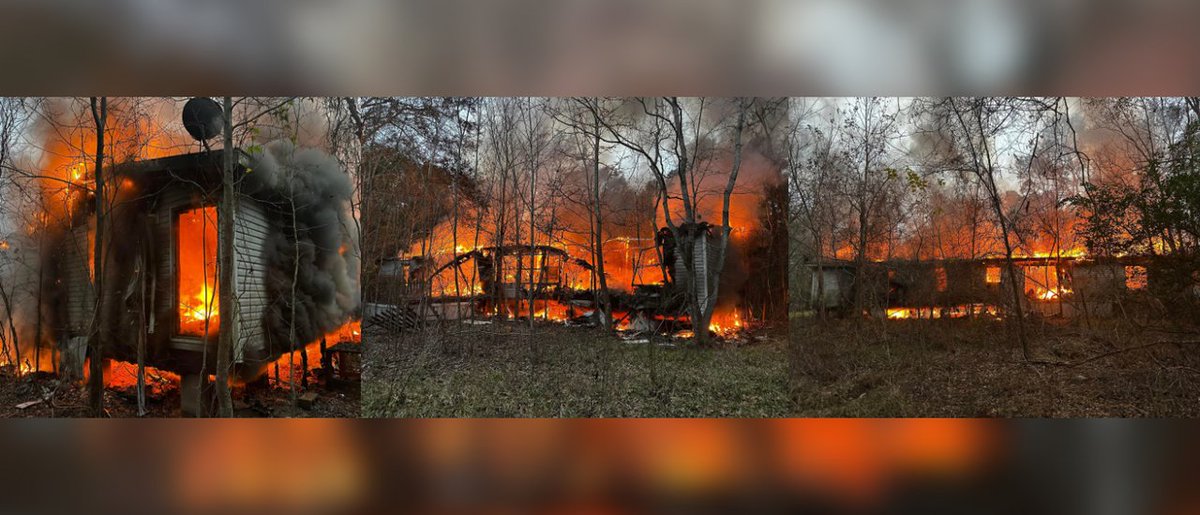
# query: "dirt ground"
974,368
505,370
52,397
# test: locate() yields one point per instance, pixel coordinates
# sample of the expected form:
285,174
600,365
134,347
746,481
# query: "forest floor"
44,395
504,369
974,368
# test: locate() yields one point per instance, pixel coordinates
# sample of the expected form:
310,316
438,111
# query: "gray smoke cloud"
309,187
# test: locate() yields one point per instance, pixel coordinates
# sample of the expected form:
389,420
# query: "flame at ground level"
936,312
122,375
292,368
37,359
724,323
551,310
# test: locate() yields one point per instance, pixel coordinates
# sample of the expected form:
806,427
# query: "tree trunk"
295,281
602,281
225,266
820,279
142,267
37,324
1018,309
12,328
714,274
95,336
534,262
326,359
304,366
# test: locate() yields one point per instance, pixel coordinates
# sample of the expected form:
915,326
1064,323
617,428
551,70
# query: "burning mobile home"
546,282
1067,286
295,279
580,242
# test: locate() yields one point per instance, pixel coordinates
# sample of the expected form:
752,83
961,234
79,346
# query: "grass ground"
507,370
974,368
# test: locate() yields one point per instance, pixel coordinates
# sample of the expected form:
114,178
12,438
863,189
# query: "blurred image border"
607,465
584,47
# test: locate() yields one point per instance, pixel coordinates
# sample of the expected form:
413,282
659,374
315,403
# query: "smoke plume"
313,242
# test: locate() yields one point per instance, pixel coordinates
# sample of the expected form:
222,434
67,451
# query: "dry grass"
505,370
973,368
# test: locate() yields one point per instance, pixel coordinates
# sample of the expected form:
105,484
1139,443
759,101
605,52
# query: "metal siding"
170,202
250,236
81,296
701,265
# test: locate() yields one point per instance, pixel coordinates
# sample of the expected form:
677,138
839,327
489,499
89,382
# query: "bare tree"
810,164
974,125
96,340
669,138
225,264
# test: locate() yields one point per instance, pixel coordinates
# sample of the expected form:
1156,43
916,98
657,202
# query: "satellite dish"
202,117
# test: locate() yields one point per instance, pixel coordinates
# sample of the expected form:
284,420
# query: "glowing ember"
199,313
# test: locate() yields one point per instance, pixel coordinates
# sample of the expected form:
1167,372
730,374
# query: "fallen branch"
1072,364
27,404
1131,349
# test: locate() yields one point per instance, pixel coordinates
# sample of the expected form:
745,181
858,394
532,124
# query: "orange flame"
552,310
1052,293
199,313
726,324
290,366
122,375
931,313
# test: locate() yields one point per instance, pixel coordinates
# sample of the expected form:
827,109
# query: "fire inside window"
941,278
1135,277
197,282
993,275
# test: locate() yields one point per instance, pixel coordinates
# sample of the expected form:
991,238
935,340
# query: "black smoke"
314,241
